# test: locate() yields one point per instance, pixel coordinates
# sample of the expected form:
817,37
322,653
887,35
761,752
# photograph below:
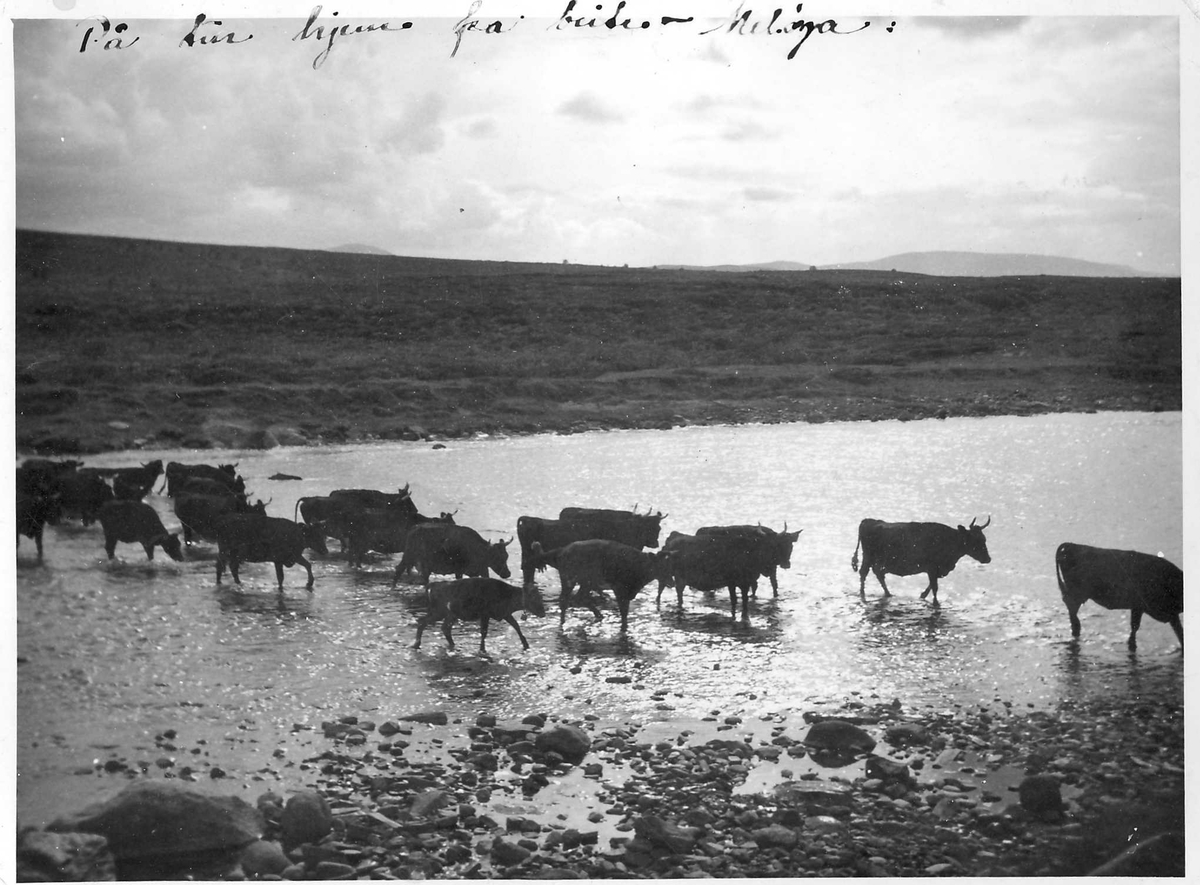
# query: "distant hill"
739,268
360,249
989,264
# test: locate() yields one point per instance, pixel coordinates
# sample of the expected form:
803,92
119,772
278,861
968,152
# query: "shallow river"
112,654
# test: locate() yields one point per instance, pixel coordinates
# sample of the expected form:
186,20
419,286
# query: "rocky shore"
872,790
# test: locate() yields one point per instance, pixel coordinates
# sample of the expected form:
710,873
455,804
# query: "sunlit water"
114,653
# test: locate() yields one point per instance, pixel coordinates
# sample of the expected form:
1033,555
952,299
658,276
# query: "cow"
202,485
709,562
596,563
336,512
375,499
382,530
135,522
178,474
640,530
201,515
442,548
910,548
607,525
34,511
134,483
481,599
1120,579
774,548
250,537
83,493
42,476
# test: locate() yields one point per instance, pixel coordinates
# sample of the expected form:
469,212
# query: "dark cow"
134,483
1120,579
594,564
177,475
135,522
637,530
382,530
83,493
201,515
478,599
253,538
201,485
42,476
709,562
774,548
337,512
445,549
372,498
910,548
34,511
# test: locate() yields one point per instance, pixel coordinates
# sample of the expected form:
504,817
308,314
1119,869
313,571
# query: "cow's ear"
961,528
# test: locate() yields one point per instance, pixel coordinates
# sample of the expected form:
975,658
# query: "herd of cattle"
592,549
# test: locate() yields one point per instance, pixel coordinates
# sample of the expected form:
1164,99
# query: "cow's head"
973,541
170,546
531,600
785,541
649,525
314,537
498,557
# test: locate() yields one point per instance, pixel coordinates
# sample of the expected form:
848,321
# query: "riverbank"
726,796
125,344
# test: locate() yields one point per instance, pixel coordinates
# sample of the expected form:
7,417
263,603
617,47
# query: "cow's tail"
296,509
541,558
1059,555
854,558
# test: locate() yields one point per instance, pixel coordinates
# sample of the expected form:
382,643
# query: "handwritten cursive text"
745,22
320,33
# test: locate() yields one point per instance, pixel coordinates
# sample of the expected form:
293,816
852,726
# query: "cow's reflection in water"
263,600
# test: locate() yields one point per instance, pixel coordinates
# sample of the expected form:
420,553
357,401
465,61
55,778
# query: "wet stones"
63,857
838,737
569,741
306,818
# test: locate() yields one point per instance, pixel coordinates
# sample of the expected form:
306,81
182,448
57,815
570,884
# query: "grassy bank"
122,343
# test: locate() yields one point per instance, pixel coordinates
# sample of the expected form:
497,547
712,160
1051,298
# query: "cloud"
766,194
980,27
587,108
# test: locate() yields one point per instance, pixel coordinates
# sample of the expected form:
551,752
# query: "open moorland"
123,343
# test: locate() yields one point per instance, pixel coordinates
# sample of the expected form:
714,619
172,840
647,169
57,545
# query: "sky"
1046,133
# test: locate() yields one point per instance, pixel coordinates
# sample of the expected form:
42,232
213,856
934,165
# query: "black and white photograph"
557,439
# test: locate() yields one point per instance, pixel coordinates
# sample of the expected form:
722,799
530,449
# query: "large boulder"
306,818
569,741
164,824
1041,796
838,737
63,857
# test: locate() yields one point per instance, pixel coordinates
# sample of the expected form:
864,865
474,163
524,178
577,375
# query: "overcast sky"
1048,134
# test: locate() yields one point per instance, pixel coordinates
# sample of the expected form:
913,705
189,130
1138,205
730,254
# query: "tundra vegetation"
122,342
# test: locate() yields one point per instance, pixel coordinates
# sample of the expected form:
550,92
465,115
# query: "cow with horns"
911,548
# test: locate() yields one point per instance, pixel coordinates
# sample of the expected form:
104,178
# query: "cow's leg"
220,565
279,574
1135,621
233,570
483,628
733,600
564,598
307,567
422,623
1073,614
746,599
623,607
862,579
446,624
513,621
882,583
37,539
1178,628
591,594
774,582
110,547
932,586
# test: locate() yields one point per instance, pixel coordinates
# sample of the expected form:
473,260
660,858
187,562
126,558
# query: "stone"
655,830
154,821
432,718
305,818
569,741
1041,795
837,736
888,770
776,836
508,853
263,858
63,857
907,733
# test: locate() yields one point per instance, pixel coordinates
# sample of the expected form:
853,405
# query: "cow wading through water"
637,530
447,549
709,562
1120,579
479,599
594,564
253,538
910,548
136,522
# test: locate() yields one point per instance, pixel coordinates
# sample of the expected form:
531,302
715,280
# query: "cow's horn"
988,523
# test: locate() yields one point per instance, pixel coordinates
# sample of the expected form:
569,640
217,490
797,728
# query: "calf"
135,522
451,549
481,599
34,510
597,563
254,538
1120,579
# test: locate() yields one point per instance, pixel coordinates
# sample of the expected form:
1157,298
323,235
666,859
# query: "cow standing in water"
1120,579
912,548
479,599
135,522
